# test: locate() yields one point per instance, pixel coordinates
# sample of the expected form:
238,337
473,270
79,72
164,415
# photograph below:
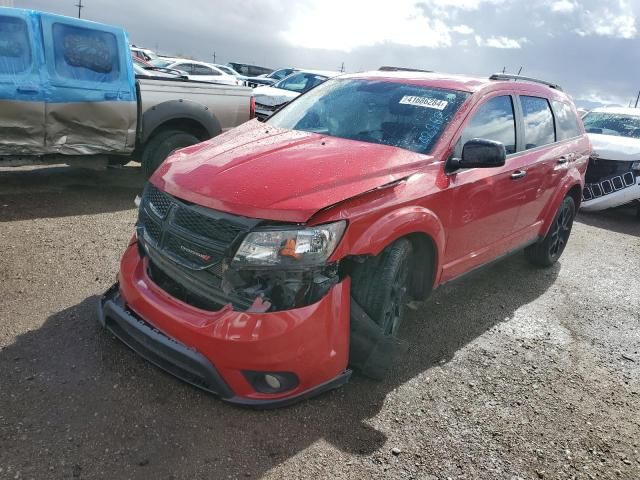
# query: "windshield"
376,111
160,62
612,124
300,82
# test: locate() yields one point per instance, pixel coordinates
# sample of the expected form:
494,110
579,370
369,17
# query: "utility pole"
80,7
342,68
214,57
637,98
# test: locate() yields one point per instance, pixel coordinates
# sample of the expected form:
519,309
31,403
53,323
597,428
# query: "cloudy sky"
590,47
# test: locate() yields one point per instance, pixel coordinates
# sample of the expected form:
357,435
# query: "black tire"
547,252
380,285
163,144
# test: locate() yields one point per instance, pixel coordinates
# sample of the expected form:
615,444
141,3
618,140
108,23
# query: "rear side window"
494,120
202,70
567,125
538,122
84,54
15,49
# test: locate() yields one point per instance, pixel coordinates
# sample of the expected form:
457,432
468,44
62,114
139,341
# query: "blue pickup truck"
69,94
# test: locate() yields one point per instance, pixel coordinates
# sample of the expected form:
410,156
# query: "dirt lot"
512,373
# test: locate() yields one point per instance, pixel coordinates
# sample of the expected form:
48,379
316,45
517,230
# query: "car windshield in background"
161,63
300,82
389,113
612,124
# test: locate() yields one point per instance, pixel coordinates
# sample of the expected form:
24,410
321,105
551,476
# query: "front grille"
607,176
190,243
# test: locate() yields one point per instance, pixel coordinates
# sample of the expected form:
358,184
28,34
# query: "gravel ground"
512,373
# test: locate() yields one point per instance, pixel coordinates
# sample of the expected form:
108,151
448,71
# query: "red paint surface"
472,217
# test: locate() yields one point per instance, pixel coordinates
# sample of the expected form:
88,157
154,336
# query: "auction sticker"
427,102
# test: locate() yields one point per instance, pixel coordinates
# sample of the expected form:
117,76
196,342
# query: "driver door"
485,200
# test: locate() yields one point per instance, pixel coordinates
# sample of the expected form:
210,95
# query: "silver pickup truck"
69,94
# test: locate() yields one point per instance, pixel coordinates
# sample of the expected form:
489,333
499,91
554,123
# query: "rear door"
21,86
544,163
91,107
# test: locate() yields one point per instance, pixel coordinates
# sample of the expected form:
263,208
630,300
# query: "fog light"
272,382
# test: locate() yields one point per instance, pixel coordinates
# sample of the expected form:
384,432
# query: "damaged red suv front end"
270,260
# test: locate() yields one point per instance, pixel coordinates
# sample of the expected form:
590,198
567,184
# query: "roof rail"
507,76
402,69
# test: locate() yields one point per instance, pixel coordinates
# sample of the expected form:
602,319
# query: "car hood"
272,96
260,171
612,147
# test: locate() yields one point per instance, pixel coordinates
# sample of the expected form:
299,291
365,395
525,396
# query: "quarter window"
538,122
15,50
494,120
567,125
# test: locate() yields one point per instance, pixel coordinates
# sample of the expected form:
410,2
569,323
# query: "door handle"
27,89
518,174
563,159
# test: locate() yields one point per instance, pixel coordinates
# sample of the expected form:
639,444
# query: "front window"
375,111
301,82
612,124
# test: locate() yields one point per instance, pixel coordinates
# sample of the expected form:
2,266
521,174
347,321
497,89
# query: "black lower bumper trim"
183,362
154,346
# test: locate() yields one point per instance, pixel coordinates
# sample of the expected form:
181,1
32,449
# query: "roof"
324,73
464,83
632,112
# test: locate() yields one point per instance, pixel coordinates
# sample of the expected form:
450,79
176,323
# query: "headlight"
635,166
291,247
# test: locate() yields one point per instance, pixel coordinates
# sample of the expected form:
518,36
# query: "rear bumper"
211,350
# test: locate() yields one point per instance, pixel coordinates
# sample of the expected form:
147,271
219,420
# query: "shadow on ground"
77,403
61,191
621,220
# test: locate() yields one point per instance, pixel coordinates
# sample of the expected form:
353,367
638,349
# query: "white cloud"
500,42
563,6
463,29
359,23
607,23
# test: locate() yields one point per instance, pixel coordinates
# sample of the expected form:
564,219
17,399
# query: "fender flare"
394,225
570,182
178,110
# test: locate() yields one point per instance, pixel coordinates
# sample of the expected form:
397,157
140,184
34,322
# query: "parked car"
142,68
613,176
271,98
143,53
271,260
68,103
271,78
230,71
204,72
249,70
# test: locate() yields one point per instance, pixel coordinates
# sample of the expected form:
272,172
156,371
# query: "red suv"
270,260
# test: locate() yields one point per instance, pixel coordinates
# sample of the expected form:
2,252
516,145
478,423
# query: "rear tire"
380,286
163,144
547,252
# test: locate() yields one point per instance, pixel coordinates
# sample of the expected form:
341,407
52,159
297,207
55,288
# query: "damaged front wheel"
380,292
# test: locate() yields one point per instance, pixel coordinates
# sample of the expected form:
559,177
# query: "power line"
80,7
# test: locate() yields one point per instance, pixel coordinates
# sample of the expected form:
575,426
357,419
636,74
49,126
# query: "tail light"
252,107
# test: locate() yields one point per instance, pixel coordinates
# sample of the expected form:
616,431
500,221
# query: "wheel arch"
572,187
184,115
417,224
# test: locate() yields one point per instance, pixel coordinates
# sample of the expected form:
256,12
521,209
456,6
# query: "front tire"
380,285
547,252
163,144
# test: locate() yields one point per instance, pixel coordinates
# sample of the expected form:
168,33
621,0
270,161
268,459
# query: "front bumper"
613,199
211,350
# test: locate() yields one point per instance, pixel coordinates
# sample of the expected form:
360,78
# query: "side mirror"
481,153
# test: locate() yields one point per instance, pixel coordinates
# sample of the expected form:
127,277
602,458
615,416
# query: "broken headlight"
291,247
